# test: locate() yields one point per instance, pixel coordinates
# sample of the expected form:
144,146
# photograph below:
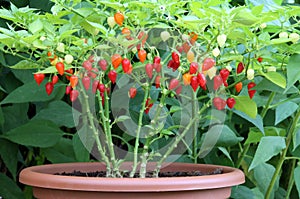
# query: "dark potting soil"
148,175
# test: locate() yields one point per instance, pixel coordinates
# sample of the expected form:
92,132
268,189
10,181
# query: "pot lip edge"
232,178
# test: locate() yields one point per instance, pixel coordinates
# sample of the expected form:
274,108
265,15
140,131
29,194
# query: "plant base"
48,186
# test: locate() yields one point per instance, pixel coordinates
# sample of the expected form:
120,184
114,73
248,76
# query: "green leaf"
210,139
122,118
244,17
191,19
114,5
61,152
246,105
257,121
297,178
242,192
24,76
38,133
9,188
230,57
284,110
228,137
263,174
296,138
60,113
6,14
25,64
267,85
67,33
275,77
280,40
2,89
100,27
36,26
255,134
81,153
293,72
49,70
9,155
15,115
6,40
31,92
256,10
86,137
268,147
226,153
2,120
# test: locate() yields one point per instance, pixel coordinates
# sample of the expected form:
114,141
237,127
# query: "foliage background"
30,109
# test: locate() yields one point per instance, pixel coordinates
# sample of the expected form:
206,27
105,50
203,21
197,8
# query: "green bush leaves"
38,133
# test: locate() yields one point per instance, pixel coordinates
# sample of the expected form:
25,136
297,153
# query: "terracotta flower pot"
46,185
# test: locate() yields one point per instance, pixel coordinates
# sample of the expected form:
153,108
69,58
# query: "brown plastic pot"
48,186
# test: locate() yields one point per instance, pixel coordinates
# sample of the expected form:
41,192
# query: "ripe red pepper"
178,90
173,84
112,75
194,83
132,92
157,81
230,102
224,74
208,63
126,65
201,80
74,95
39,77
259,59
218,81
240,68
49,87
149,70
156,64
73,81
86,81
175,57
60,67
54,79
68,90
219,103
148,105
251,91
193,68
95,86
87,65
101,88
142,54
102,63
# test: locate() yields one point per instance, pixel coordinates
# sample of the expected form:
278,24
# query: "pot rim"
42,176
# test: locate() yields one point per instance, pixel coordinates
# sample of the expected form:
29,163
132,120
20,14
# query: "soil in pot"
148,174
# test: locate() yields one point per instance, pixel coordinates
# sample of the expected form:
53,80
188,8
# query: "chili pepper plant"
158,81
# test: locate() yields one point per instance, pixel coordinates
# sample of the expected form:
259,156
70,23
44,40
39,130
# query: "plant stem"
174,145
291,180
242,156
290,133
138,131
149,140
95,131
263,114
266,108
109,136
195,127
